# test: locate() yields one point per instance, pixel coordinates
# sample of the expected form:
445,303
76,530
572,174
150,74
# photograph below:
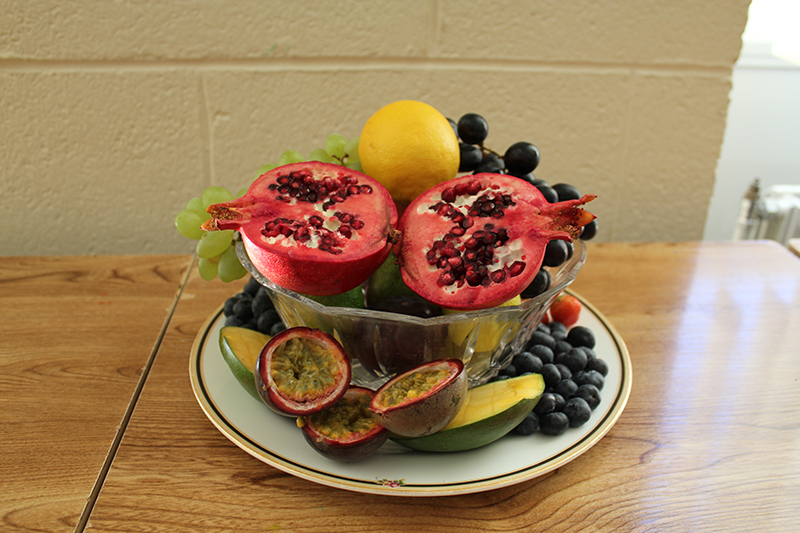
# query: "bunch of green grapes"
338,150
215,251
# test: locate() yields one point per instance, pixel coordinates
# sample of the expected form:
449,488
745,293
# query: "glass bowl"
380,344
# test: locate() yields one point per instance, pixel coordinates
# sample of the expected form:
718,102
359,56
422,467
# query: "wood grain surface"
76,333
709,440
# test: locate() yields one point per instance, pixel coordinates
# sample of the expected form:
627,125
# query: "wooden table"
709,440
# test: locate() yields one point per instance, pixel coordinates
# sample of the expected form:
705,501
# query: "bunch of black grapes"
519,160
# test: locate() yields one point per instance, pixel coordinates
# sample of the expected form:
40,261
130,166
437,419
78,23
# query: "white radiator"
773,213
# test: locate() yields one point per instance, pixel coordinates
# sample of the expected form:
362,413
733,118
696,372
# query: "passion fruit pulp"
422,400
347,431
302,371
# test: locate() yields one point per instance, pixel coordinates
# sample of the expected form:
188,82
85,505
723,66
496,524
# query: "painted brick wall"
116,113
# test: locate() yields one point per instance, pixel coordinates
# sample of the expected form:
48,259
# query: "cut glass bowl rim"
563,276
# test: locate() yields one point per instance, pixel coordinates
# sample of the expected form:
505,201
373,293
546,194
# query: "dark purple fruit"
521,158
472,128
423,400
347,431
590,393
554,423
581,336
301,371
578,412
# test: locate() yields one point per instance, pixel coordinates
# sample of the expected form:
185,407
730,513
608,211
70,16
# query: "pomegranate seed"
516,268
461,189
473,279
449,195
498,276
446,278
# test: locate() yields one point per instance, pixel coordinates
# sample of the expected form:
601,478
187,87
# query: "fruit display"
398,281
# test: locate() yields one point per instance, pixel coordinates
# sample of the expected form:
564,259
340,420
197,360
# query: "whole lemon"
408,146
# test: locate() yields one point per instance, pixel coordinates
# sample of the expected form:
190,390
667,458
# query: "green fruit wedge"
386,282
490,412
353,299
240,348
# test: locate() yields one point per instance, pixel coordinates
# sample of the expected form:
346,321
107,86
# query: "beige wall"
114,114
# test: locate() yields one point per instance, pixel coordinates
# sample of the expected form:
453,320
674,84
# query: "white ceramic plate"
395,470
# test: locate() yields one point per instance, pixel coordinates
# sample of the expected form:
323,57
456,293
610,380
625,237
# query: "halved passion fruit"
422,400
347,431
302,371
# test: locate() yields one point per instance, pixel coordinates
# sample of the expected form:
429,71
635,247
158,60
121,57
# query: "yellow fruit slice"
489,333
490,412
408,146
240,348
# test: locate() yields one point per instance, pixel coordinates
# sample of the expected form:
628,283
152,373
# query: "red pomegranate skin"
477,241
314,228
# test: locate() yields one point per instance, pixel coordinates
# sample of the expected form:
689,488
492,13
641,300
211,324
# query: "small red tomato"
566,309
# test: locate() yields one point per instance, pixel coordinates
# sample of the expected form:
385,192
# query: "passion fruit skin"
345,449
431,410
315,401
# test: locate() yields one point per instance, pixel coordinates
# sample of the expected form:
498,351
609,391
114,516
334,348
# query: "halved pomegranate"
314,228
347,431
477,241
422,400
301,371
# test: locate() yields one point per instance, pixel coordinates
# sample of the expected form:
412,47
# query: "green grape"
196,204
290,156
335,145
207,268
242,192
230,268
355,165
265,168
213,243
215,195
351,149
188,222
320,155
